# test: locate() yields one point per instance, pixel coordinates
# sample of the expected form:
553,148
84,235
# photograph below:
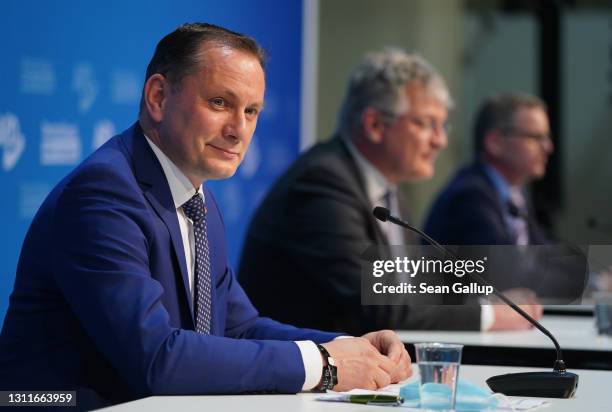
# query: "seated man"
486,202
301,260
123,288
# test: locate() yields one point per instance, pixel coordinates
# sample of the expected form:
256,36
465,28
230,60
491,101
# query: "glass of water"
439,370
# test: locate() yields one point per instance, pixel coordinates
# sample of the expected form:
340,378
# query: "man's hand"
360,364
507,319
388,343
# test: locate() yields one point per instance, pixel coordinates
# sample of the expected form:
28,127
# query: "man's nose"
548,145
236,126
439,138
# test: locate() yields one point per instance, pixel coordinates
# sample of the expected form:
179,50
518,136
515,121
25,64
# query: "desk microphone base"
536,384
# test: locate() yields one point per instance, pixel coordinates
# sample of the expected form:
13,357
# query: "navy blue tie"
195,210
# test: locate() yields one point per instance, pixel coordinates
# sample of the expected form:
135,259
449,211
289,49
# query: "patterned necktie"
517,207
195,210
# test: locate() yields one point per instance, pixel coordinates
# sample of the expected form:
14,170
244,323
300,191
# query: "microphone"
556,384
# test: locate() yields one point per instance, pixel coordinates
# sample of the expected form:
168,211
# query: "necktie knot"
194,208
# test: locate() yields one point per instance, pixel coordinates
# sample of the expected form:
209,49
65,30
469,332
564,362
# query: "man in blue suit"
486,202
123,287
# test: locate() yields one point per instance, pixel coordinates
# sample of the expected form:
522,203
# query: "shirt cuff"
313,363
487,317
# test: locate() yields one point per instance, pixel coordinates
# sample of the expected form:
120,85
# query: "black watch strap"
329,375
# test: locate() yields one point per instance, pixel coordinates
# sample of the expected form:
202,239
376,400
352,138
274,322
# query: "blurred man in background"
486,202
301,260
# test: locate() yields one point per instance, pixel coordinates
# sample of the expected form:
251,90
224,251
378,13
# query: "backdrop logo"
11,140
85,85
103,130
60,144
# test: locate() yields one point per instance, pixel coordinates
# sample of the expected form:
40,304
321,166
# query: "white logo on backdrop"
11,140
59,144
103,130
37,76
85,85
125,87
251,161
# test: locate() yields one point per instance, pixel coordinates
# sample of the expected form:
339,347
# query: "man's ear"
493,143
155,90
373,125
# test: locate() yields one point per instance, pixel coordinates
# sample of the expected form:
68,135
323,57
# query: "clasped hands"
372,361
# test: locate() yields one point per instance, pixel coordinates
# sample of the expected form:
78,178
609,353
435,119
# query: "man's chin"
539,172
221,173
420,175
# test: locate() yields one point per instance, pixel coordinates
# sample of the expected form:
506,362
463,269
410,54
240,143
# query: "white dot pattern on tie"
195,210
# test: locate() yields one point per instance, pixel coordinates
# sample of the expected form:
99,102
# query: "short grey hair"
378,82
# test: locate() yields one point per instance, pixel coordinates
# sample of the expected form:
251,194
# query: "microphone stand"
556,384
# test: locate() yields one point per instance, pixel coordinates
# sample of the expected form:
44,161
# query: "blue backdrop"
72,74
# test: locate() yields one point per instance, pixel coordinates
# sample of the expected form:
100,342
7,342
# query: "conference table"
577,335
592,395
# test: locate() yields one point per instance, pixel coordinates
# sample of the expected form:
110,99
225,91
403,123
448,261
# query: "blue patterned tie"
195,210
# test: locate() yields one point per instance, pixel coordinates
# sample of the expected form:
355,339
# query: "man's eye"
252,111
217,101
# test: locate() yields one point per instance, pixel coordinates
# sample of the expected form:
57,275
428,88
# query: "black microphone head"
381,213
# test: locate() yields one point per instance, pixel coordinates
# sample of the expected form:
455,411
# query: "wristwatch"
329,376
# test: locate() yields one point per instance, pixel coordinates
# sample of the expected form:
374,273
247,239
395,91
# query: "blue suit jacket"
469,211
101,302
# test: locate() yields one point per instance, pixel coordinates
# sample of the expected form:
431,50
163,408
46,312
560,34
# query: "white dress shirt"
182,190
376,186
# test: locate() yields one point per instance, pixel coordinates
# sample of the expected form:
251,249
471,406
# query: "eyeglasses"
538,137
423,122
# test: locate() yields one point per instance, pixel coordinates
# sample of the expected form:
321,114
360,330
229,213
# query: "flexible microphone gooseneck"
556,384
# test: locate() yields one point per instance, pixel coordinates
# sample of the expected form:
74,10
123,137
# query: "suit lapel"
379,236
155,187
478,168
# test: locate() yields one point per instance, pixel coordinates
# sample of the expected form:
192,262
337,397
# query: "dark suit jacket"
101,302
301,256
469,212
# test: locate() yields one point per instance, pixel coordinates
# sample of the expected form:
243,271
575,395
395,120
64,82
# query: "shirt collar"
376,183
180,187
501,185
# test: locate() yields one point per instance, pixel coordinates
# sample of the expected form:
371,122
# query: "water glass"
439,370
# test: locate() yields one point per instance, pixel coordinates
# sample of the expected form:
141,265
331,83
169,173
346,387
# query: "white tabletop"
592,395
572,332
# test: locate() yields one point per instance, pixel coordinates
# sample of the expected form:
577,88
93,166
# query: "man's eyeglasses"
538,137
423,122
